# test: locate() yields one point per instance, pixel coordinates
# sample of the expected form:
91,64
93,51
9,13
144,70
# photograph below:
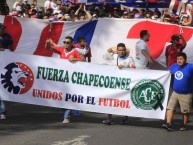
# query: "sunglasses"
66,42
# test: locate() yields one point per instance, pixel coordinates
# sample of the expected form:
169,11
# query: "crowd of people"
182,84
57,10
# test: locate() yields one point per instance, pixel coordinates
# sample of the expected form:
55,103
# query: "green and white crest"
148,94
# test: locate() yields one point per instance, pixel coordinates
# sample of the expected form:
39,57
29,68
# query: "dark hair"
40,15
2,26
175,37
81,15
33,12
80,38
121,45
69,37
142,33
182,54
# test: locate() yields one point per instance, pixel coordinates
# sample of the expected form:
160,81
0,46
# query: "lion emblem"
12,80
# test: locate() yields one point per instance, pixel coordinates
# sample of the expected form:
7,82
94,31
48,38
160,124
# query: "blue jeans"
66,113
2,107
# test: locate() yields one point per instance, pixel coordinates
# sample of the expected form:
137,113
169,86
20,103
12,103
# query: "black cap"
2,26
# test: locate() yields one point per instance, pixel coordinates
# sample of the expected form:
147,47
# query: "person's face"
56,15
181,61
121,51
176,41
82,43
167,20
59,7
82,18
147,36
35,2
115,13
32,6
148,16
156,17
125,16
45,17
48,12
27,16
2,31
42,9
59,1
67,44
185,19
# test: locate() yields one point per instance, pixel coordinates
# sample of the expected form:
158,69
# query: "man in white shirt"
15,4
121,59
49,4
58,9
142,54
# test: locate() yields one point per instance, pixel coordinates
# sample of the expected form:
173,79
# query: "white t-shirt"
57,11
140,60
126,61
50,4
14,5
82,51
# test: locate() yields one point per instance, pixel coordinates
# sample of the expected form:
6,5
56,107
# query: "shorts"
184,100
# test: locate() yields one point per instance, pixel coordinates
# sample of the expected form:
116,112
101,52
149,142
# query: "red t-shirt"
172,52
66,55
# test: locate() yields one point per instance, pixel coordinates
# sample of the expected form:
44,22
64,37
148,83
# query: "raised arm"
87,13
183,41
77,11
50,44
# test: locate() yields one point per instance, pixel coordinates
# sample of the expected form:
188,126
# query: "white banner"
90,87
100,34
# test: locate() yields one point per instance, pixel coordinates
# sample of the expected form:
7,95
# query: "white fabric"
82,51
140,59
14,5
52,4
55,83
127,61
107,33
57,11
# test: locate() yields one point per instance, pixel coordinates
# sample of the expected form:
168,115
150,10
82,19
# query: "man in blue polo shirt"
182,91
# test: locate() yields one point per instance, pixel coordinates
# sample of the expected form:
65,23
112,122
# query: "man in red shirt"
66,52
173,49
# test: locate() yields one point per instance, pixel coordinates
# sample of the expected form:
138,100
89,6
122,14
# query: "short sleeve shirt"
66,55
183,76
140,59
172,52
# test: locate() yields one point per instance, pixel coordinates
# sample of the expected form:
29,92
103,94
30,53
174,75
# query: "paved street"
37,125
